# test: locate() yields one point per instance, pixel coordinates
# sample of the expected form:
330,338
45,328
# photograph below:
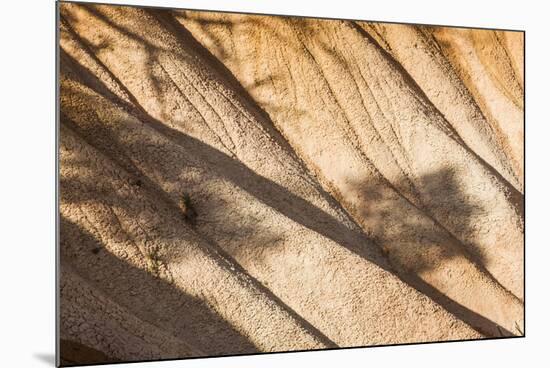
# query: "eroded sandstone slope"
236,184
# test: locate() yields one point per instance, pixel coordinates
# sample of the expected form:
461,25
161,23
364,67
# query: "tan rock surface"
237,184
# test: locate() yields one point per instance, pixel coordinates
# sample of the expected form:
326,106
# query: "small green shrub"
187,208
153,261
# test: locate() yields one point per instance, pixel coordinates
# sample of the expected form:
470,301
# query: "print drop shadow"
290,205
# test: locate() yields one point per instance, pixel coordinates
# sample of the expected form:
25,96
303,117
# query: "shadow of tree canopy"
416,244
382,203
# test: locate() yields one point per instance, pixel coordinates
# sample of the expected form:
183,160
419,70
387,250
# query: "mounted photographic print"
239,183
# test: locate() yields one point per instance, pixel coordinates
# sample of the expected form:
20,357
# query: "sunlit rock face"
235,184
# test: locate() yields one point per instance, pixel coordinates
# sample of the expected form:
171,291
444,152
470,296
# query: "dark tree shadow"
74,353
415,243
383,201
147,296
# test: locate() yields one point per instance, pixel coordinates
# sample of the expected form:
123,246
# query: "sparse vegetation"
187,208
153,261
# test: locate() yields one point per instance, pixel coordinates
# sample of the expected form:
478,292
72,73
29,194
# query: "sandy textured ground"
237,184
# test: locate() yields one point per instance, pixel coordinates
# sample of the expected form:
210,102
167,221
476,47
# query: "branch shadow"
415,244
